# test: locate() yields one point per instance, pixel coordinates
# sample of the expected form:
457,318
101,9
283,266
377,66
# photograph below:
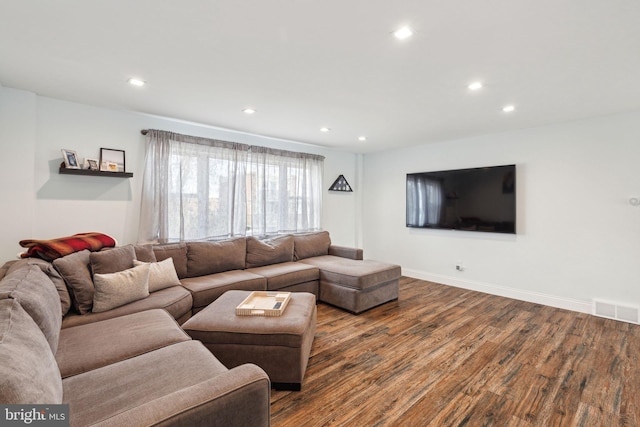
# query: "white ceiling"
306,64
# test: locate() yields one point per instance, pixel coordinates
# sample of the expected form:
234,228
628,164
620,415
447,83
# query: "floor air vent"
615,311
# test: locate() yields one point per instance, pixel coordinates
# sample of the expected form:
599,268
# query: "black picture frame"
92,164
112,160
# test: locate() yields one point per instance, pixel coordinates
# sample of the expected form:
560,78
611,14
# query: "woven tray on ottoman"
279,345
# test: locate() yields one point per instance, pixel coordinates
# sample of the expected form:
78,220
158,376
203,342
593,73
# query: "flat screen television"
477,199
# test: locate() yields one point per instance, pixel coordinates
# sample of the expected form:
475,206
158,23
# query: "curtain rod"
273,150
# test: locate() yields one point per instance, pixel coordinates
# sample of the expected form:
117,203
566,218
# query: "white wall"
40,203
577,234
577,238
17,137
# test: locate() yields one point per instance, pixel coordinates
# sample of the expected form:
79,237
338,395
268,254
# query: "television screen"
478,199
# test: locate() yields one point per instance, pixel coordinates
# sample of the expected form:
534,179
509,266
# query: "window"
196,188
285,191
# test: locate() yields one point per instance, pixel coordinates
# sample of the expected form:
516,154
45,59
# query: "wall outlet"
459,266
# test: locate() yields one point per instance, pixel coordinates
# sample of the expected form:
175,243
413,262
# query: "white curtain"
197,188
285,191
194,188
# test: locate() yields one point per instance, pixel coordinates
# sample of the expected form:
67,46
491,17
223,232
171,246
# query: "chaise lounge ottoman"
356,285
279,345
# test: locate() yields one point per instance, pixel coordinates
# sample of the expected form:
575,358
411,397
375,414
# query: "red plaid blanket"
49,250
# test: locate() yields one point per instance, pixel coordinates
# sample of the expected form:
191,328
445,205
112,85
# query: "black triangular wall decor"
340,184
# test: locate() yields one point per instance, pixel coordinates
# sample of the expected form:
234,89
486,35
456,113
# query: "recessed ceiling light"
136,82
403,33
475,86
362,138
508,108
324,129
249,110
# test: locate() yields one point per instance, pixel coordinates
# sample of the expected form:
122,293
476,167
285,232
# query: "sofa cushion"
28,372
206,289
311,244
286,274
112,260
120,288
74,269
103,393
346,252
161,274
38,297
5,267
355,274
91,346
271,251
145,253
176,251
176,300
215,257
53,275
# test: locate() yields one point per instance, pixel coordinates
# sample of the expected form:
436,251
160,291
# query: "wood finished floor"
443,356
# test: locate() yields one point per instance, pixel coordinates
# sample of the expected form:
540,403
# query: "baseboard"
519,294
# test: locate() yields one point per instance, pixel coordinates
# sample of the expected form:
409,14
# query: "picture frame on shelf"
92,164
70,159
112,160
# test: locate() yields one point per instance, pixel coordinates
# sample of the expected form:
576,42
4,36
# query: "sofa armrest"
345,252
239,397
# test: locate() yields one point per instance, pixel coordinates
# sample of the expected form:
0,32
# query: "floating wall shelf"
66,171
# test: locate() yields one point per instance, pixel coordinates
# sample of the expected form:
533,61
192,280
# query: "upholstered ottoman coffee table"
279,345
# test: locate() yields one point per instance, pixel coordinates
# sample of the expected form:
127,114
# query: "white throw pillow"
161,275
123,287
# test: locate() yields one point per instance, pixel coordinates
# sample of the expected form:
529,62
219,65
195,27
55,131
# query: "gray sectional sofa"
100,331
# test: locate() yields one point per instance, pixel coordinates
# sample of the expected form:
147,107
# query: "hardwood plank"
630,408
445,356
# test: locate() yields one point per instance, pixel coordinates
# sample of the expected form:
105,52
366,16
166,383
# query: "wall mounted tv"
478,199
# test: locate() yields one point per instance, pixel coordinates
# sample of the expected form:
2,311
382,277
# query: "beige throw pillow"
161,274
123,287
